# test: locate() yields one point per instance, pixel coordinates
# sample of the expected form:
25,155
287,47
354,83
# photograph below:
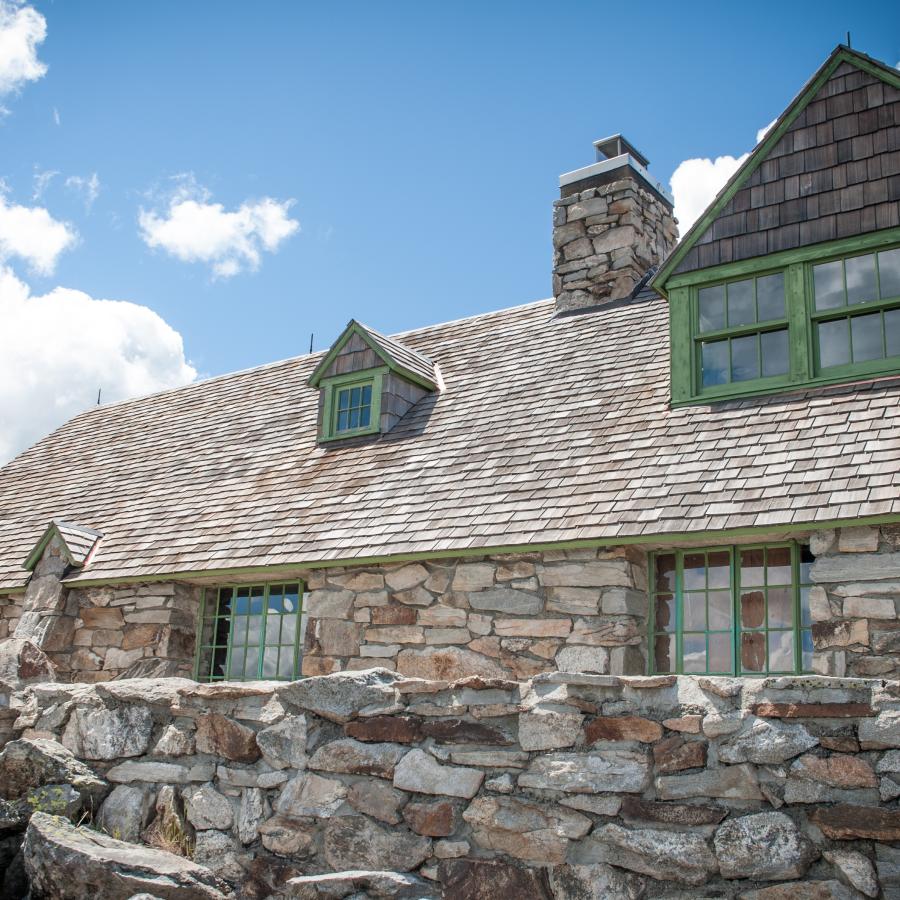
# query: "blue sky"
415,145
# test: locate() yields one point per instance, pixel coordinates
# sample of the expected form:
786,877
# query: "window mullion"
735,613
799,341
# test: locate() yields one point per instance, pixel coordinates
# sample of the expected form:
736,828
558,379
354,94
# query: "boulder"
283,745
596,882
766,846
352,757
533,832
22,663
613,769
469,879
767,742
420,772
126,812
664,855
102,733
398,885
64,862
343,696
34,762
355,842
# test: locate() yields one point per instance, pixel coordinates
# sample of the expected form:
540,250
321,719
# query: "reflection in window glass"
861,281
775,353
892,331
828,284
712,308
866,339
770,297
741,309
744,358
889,273
834,343
694,653
715,363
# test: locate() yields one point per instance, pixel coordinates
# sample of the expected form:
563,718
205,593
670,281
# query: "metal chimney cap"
616,145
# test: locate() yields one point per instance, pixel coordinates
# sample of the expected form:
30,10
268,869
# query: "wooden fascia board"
761,152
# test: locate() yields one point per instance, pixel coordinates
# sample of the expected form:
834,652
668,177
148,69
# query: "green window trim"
249,632
727,625
336,389
801,323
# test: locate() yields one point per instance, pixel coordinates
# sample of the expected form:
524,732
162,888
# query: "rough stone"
812,710
675,754
354,842
206,808
310,795
664,855
619,770
728,782
218,852
221,736
547,729
446,664
767,742
150,771
126,812
469,879
882,732
473,576
846,822
378,799
421,773
359,884
583,659
809,890
507,600
395,729
283,745
325,604
855,870
176,739
342,696
686,724
634,809
434,819
286,837
840,771
353,757
107,869
767,846
109,733
252,811
527,831
595,882
622,728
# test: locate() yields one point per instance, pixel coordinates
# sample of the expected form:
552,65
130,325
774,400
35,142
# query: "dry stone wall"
495,616
565,786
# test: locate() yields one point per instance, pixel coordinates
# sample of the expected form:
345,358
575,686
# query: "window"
813,316
732,610
352,405
856,309
250,632
743,330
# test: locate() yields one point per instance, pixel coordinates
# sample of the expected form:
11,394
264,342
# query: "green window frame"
352,405
731,610
250,632
730,338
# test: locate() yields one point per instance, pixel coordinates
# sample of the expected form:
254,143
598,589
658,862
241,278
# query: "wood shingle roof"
549,428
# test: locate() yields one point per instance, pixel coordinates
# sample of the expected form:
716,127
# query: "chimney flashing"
606,166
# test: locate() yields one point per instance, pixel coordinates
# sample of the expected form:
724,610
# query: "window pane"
715,363
753,609
720,653
719,571
892,331
712,308
828,281
806,561
805,615
354,418
781,608
719,610
236,669
695,612
665,612
367,394
218,665
861,286
342,421
752,562
781,651
753,652
889,273
273,628
775,353
270,662
343,399
778,564
806,647
251,663
694,571
867,338
354,396
770,297
286,663
744,361
834,343
365,416
664,653
665,573
740,303
694,653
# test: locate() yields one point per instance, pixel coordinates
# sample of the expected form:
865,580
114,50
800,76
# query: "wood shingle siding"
835,173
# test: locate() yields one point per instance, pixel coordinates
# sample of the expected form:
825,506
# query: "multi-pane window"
353,409
742,330
732,610
250,632
856,309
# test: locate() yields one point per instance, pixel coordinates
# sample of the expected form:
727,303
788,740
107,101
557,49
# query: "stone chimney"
612,224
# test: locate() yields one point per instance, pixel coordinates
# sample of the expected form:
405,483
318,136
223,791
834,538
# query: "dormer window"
368,382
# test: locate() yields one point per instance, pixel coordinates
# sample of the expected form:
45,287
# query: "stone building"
687,461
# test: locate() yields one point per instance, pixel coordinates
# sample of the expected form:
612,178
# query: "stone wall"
564,787
605,239
10,613
856,604
496,616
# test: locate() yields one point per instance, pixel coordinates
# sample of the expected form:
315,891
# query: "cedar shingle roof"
549,428
79,542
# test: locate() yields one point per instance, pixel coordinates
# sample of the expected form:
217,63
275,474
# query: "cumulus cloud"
88,187
194,229
59,348
22,28
32,234
695,182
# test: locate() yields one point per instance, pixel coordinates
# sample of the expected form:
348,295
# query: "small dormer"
367,382
75,543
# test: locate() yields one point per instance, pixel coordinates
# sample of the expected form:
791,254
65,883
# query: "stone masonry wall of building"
496,616
566,786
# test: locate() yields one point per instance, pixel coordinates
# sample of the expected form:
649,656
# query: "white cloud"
56,118
32,234
58,349
42,179
193,229
88,187
695,182
22,28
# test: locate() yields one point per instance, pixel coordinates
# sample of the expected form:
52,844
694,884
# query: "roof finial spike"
99,391
849,45
311,336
